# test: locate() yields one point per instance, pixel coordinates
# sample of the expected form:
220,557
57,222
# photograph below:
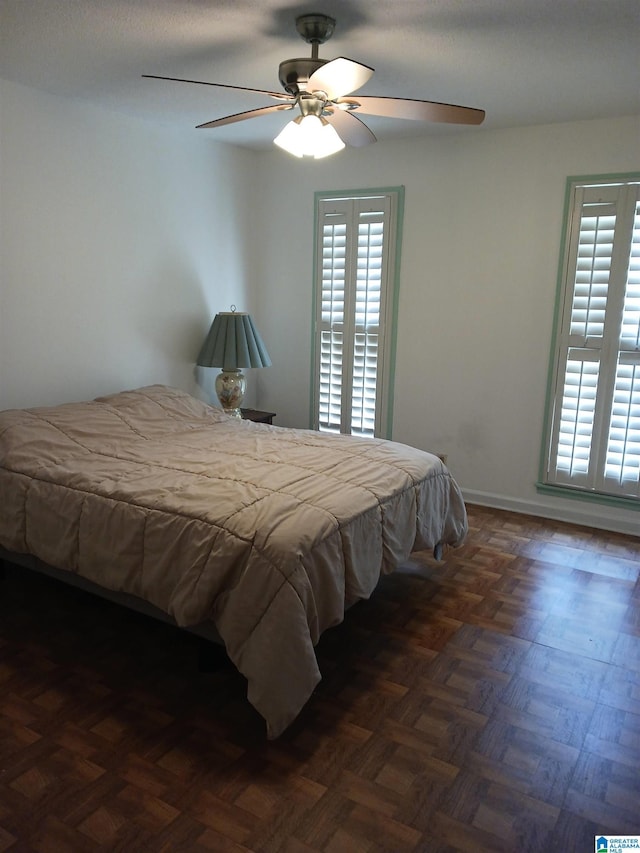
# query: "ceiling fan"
322,90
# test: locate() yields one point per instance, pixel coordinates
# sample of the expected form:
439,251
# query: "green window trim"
563,342
588,497
384,410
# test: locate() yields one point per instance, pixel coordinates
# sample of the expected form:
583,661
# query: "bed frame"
206,631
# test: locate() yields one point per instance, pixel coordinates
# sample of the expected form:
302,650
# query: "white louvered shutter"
355,241
622,464
595,441
332,327
368,332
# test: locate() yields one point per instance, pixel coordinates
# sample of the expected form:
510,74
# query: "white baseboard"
578,514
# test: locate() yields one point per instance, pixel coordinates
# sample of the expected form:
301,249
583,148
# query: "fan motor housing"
294,73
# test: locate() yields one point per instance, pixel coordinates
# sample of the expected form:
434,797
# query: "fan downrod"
294,73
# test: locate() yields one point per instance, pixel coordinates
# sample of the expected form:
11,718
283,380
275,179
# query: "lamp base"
230,388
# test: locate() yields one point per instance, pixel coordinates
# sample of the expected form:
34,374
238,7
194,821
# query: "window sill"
589,497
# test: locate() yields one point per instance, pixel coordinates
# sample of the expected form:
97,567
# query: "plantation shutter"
595,441
622,466
354,243
368,331
332,322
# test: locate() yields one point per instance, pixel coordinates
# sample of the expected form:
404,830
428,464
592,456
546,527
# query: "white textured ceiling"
525,62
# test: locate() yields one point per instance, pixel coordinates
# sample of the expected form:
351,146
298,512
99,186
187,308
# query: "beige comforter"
267,532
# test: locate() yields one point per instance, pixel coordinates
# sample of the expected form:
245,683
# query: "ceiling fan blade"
350,129
262,111
339,77
281,96
414,109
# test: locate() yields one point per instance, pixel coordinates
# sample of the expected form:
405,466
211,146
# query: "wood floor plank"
486,702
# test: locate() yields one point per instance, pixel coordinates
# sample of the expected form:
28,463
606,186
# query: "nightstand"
257,416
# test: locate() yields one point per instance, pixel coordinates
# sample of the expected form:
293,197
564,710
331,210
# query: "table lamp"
233,342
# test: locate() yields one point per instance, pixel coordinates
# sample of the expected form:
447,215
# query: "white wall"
119,241
482,228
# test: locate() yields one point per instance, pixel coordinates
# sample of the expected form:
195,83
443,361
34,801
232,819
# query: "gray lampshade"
233,341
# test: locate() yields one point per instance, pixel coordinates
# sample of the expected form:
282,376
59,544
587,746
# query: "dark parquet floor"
489,702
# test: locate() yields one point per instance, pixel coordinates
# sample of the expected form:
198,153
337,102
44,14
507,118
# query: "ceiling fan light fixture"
309,136
319,88
289,139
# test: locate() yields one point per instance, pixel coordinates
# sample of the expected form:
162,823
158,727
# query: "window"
356,264
593,435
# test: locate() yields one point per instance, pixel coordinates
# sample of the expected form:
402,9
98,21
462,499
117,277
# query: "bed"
262,534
